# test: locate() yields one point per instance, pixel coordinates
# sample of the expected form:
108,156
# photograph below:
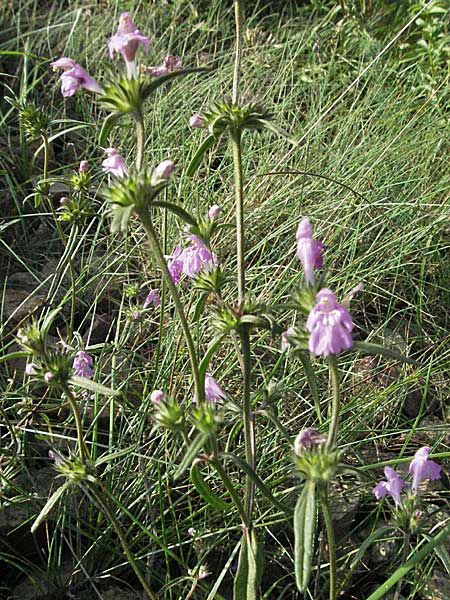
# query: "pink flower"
157,396
74,76
135,314
152,298
84,166
196,121
285,338
214,211
115,164
329,325
213,391
308,438
30,369
126,41
48,377
197,257
82,363
170,63
422,468
309,251
393,486
164,169
175,265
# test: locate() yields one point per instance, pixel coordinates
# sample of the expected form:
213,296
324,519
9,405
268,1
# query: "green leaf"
305,519
198,156
257,480
18,354
190,454
370,348
203,366
49,505
271,126
205,491
107,126
154,83
92,386
106,458
177,210
240,581
121,217
250,566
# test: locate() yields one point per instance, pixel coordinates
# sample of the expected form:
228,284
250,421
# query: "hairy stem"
84,452
335,406
331,541
140,139
248,419
239,194
151,233
101,499
215,462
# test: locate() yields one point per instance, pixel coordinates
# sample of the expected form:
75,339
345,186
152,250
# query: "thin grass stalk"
239,20
151,233
83,450
405,552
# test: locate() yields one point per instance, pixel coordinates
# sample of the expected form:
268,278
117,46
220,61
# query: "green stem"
239,20
334,376
100,497
84,452
239,193
331,541
231,490
405,552
248,420
140,139
151,233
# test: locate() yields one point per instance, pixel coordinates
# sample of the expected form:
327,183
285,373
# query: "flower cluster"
82,364
420,468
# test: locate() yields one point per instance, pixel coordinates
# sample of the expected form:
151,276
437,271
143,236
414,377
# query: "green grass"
386,139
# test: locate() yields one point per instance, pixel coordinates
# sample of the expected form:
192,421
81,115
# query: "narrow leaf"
177,210
49,505
92,386
198,156
271,126
258,481
240,581
154,83
190,454
107,126
370,348
305,518
205,491
203,366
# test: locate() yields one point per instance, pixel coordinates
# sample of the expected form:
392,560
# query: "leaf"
107,126
305,518
93,386
154,83
205,491
106,458
250,565
200,307
190,454
49,505
257,480
240,581
271,126
121,217
370,348
198,156
203,366
177,210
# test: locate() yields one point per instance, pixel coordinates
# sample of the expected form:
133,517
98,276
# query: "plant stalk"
215,462
239,20
151,233
331,541
335,406
140,139
84,452
99,496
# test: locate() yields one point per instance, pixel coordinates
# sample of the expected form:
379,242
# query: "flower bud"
30,369
157,396
214,211
164,169
196,121
308,438
84,166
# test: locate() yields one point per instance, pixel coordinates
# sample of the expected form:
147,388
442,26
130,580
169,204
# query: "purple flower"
175,265
309,251
30,369
135,314
82,363
213,391
422,468
74,76
197,257
308,438
329,325
157,396
84,166
164,169
48,377
196,121
115,164
393,486
214,211
152,298
126,41
285,338
170,63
